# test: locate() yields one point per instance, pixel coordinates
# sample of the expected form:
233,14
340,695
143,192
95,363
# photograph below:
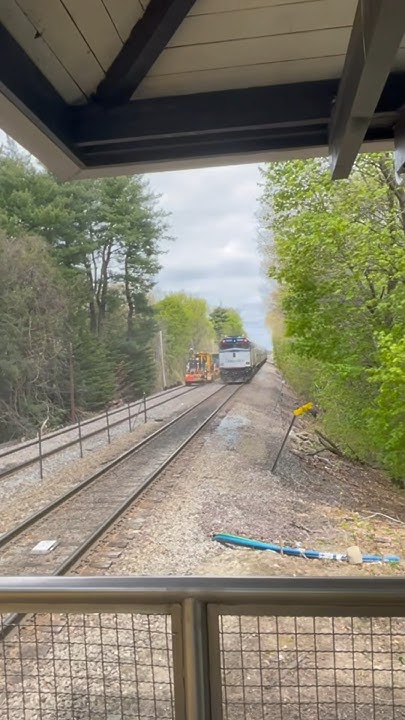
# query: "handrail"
199,632
349,594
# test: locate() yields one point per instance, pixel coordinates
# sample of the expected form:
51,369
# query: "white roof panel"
100,86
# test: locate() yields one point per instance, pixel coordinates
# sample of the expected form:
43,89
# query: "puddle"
230,428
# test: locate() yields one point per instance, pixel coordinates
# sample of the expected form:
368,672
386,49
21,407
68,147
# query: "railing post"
108,426
196,671
41,471
79,427
129,416
144,408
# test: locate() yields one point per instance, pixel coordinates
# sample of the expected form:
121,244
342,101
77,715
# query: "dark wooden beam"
221,145
23,84
218,145
299,104
220,123
147,40
378,29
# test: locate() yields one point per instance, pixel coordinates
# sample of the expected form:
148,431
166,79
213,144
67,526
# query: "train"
202,367
239,359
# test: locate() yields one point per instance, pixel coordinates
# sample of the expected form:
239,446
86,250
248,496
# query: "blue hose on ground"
297,552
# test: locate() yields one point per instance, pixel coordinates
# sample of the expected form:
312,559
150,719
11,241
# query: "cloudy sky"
215,253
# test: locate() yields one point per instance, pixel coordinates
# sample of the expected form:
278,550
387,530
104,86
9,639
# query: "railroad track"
82,433
81,516
78,518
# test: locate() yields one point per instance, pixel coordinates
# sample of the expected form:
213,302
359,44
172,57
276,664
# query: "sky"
214,254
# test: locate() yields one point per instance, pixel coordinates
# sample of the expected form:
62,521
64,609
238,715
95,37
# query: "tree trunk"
102,289
130,302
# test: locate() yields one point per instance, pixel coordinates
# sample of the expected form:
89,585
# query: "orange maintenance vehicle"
201,369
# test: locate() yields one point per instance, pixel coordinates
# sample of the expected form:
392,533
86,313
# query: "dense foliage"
337,251
187,324
226,321
78,262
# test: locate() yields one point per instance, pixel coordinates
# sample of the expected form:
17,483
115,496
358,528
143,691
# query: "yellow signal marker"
303,409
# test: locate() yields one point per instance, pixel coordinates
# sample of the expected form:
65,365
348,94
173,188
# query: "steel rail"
96,418
15,618
54,451
10,535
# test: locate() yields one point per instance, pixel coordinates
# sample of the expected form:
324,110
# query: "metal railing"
203,649
128,413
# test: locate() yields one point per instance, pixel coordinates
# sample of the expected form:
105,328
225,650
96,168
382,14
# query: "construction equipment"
201,369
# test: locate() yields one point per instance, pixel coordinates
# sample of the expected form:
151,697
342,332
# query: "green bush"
337,254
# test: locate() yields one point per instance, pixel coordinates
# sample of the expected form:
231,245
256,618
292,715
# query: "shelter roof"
97,87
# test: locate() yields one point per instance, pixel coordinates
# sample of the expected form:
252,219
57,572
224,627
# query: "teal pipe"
297,552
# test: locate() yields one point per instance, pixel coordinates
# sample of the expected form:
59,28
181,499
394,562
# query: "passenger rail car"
239,359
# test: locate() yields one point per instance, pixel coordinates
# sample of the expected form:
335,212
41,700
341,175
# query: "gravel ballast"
25,493
222,483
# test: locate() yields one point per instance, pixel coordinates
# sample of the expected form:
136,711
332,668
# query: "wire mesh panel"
312,668
87,667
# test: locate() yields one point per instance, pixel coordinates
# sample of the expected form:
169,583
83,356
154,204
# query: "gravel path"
24,492
222,482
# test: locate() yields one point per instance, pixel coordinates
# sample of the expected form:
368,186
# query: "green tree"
95,380
104,237
226,321
339,256
185,324
34,314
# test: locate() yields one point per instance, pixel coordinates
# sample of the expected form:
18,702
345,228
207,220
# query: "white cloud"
215,253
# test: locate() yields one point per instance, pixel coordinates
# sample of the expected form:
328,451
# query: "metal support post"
41,473
79,427
308,407
137,414
195,658
108,426
283,444
144,409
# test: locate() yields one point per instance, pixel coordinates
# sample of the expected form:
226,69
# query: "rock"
354,556
383,540
303,436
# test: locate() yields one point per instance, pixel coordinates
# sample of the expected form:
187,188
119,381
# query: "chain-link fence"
88,666
108,426
249,649
285,668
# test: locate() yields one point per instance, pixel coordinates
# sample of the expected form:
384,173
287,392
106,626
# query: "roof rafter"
297,104
219,123
147,40
378,29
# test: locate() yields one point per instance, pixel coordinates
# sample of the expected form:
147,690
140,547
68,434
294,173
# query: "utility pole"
162,359
72,385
